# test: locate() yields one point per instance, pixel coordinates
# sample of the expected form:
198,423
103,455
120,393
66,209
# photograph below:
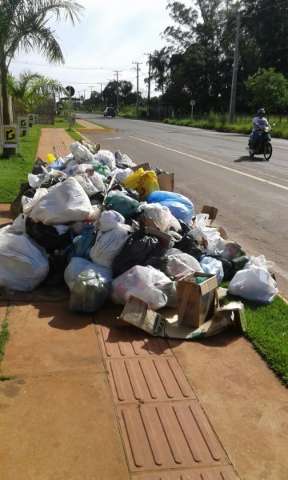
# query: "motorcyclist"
260,123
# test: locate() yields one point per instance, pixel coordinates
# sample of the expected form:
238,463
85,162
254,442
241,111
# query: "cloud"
110,36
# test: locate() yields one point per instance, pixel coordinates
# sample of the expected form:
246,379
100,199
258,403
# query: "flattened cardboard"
166,181
137,313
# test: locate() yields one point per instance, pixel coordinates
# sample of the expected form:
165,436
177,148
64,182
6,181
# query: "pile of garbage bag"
105,226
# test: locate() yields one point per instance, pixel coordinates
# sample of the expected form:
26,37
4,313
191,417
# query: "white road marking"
208,162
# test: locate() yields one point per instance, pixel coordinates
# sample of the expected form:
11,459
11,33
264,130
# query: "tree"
268,88
32,89
24,25
124,91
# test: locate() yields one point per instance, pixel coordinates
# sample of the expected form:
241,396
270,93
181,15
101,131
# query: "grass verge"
14,170
267,328
221,124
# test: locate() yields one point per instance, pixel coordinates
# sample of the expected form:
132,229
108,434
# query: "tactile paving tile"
120,342
218,473
169,435
148,379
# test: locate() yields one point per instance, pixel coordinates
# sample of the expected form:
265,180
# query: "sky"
110,36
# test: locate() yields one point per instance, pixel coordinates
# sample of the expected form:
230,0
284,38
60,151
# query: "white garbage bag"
65,202
23,266
161,216
81,153
111,237
29,203
180,263
106,158
144,283
254,282
79,265
213,267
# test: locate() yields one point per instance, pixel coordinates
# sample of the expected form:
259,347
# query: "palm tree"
24,25
31,89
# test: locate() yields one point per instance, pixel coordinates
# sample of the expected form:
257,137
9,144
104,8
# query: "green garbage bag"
122,203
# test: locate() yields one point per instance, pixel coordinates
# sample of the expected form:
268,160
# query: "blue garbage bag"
180,206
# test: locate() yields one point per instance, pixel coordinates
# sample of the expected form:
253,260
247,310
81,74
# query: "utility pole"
149,84
138,71
232,107
117,89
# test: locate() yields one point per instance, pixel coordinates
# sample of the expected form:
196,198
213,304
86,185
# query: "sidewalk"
93,399
53,138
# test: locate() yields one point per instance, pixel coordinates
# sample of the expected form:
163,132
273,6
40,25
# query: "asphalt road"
213,168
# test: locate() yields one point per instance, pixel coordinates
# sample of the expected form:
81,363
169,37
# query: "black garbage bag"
47,236
58,261
16,205
230,267
137,251
188,244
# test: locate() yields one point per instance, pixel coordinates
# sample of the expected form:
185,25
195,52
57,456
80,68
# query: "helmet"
261,111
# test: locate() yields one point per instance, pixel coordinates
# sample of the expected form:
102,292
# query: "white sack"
180,263
29,203
144,283
65,202
23,266
213,267
254,282
109,244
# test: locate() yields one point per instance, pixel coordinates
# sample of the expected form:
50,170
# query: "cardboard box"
166,181
196,301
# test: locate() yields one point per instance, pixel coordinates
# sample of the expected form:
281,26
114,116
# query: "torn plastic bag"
122,203
136,251
23,266
214,267
144,283
47,236
160,216
87,185
145,182
254,282
78,265
89,292
64,203
181,207
110,238
188,244
106,158
81,153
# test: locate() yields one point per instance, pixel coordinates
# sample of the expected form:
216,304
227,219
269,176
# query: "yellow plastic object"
145,182
51,158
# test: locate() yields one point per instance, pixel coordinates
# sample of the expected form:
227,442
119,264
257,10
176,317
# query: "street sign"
192,103
10,136
70,90
23,124
31,119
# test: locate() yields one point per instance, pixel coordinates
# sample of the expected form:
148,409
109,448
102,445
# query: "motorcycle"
263,145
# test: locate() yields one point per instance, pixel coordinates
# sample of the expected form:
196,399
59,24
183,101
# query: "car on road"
110,112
